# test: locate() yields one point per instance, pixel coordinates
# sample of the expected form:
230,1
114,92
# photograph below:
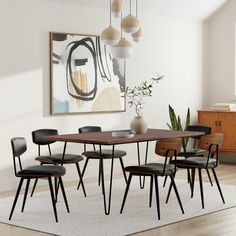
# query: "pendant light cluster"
122,48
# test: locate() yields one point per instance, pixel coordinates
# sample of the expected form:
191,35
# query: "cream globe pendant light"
130,24
137,35
116,8
123,49
110,35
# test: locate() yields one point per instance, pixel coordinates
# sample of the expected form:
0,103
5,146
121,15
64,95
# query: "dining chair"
167,148
211,144
38,137
19,147
95,154
194,150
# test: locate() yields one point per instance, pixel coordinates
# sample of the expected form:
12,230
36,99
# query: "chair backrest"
18,146
168,147
90,129
199,128
206,141
38,136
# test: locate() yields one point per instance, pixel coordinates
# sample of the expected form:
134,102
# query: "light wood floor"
222,223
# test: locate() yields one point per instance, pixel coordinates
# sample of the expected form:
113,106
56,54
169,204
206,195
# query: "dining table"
105,138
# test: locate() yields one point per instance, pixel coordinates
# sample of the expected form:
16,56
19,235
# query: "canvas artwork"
85,77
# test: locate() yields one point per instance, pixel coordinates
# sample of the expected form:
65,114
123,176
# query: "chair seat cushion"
193,152
195,162
106,154
57,159
42,171
151,168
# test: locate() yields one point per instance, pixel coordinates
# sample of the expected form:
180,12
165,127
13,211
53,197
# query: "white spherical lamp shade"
130,24
137,35
116,7
110,36
123,49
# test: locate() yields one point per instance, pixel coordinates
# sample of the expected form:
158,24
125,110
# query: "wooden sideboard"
221,122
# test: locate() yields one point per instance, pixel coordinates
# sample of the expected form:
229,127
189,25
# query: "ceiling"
191,9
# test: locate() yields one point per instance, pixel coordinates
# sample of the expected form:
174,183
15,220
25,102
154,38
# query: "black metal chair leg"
64,194
169,191
188,176
35,183
52,197
192,182
25,195
84,168
33,189
157,197
16,197
151,190
177,194
126,193
218,185
164,184
56,187
209,177
201,187
122,167
81,178
168,194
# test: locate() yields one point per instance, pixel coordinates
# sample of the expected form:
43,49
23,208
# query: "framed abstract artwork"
84,76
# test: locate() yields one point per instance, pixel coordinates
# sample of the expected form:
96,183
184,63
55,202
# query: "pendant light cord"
136,8
110,12
121,15
130,6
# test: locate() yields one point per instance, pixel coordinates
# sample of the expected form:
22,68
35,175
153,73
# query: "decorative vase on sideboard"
139,125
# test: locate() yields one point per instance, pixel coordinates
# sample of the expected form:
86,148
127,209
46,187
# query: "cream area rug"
87,216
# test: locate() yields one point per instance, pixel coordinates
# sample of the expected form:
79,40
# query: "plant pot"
139,125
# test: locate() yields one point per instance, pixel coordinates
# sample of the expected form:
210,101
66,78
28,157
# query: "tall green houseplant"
175,123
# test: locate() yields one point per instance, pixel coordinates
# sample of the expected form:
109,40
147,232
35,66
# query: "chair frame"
154,179
211,154
47,143
97,129
28,178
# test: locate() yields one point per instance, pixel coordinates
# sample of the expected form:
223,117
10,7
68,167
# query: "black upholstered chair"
194,150
34,172
55,159
211,144
167,148
95,154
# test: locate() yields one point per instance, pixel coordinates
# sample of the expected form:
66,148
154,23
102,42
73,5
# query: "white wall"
170,46
220,39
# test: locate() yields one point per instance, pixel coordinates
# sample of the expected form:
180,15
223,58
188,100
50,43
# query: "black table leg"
139,163
107,207
62,162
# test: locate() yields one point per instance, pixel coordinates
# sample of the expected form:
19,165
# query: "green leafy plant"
137,94
175,122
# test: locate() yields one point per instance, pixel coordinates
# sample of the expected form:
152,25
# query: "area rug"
87,216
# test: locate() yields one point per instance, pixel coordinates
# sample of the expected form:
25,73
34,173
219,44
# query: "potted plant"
175,123
136,97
